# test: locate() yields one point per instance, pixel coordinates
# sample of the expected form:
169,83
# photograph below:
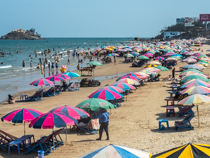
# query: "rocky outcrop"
21,36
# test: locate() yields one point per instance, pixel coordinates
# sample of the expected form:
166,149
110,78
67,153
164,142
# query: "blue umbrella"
177,55
117,151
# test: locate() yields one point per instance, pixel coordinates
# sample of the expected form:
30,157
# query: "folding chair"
75,87
91,127
5,139
185,123
185,110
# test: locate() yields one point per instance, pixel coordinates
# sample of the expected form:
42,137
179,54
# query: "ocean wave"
39,52
5,67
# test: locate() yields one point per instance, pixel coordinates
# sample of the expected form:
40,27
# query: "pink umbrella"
41,82
56,78
131,77
124,86
64,76
106,94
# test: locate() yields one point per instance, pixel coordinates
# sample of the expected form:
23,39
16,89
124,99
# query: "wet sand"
134,124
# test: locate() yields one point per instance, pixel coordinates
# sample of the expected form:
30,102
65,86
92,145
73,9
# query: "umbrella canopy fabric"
51,119
189,73
124,86
148,55
186,151
127,76
106,94
190,77
72,74
162,68
129,81
190,61
71,111
196,90
195,99
142,57
117,151
195,70
155,62
94,63
56,78
154,69
194,74
63,76
195,82
129,55
94,104
193,67
41,82
159,58
21,115
147,71
114,88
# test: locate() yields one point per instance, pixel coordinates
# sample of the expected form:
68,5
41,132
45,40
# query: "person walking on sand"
115,61
173,72
104,122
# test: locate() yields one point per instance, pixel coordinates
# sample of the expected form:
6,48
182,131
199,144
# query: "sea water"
15,78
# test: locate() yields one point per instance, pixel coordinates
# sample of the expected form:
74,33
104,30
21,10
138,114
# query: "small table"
163,120
20,140
170,99
169,109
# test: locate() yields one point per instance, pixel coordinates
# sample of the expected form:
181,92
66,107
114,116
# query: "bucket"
41,154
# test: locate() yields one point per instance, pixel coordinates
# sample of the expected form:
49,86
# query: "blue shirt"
104,117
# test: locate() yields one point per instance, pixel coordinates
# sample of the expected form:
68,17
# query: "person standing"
115,60
31,65
23,63
104,122
173,72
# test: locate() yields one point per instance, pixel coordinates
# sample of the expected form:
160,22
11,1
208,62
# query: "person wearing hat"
104,122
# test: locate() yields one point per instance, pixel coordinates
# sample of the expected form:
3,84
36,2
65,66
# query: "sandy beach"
134,124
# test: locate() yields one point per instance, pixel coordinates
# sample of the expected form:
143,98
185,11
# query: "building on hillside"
169,34
19,30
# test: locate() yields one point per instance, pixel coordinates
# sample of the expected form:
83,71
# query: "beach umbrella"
169,54
140,76
195,82
186,151
21,116
117,151
129,55
190,61
142,57
190,77
94,63
106,94
41,82
197,74
195,70
154,69
159,58
170,59
197,54
55,78
94,104
148,55
147,71
135,54
179,55
206,59
114,88
72,111
193,67
130,77
186,73
196,90
64,76
129,81
124,86
155,62
72,74
162,68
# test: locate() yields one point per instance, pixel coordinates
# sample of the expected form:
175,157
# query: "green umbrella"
94,63
190,77
162,68
202,61
142,57
94,104
129,55
194,70
201,56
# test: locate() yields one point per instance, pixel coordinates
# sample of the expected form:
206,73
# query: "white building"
171,34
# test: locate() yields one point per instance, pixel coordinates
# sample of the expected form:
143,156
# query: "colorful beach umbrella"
42,82
94,104
193,67
56,78
114,88
106,94
147,71
142,57
159,58
130,77
117,151
71,111
195,99
154,69
196,90
148,55
190,61
162,68
129,81
72,74
194,74
190,77
186,151
124,86
195,82
192,70
21,116
52,119
64,76
94,63
129,56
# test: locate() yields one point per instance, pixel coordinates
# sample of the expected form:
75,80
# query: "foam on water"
5,67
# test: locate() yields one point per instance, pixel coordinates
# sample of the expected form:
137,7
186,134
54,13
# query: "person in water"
23,63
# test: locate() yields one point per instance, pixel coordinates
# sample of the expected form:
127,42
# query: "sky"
96,18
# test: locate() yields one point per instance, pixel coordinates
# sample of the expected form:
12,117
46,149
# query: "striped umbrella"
72,74
130,77
94,104
190,61
191,70
140,76
41,82
195,99
106,94
194,74
21,116
55,78
124,86
196,90
63,76
147,71
195,82
189,73
117,151
159,58
154,69
194,67
190,77
142,57
114,88
148,55
186,151
162,68
52,119
169,54
129,81
71,111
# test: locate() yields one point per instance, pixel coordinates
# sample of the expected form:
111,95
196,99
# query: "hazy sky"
96,18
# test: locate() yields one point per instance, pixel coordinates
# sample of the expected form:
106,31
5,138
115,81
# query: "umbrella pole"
53,141
198,116
24,128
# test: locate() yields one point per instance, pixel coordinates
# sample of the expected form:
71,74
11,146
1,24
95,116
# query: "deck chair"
185,110
5,139
185,123
167,78
36,97
74,87
91,127
48,93
67,87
